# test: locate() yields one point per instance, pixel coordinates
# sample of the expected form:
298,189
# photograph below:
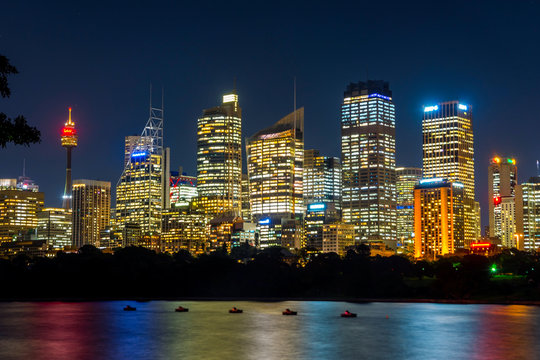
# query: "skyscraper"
502,181
368,160
18,210
219,158
54,226
448,152
69,141
438,217
140,190
322,178
275,158
528,214
407,178
91,211
183,189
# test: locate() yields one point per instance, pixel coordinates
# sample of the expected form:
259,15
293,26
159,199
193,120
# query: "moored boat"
181,309
235,310
289,312
348,314
129,308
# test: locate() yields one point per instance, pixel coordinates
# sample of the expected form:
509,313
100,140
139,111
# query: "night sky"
99,58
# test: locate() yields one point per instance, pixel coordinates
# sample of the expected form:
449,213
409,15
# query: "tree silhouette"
16,131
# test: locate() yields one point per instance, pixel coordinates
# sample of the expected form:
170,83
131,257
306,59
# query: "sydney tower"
69,141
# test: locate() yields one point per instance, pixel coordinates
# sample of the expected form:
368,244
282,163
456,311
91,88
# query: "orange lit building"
438,218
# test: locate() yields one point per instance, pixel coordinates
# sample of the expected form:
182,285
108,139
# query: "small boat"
289,312
348,314
129,308
234,310
181,309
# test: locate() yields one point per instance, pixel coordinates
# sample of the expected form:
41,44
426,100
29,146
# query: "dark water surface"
101,330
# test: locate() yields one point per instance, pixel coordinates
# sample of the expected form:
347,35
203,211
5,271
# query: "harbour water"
102,330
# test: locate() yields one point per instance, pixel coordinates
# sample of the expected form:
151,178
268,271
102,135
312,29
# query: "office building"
182,230
406,180
318,215
219,158
91,211
368,160
527,207
18,210
438,218
502,181
54,226
322,178
275,158
337,238
182,190
448,153
144,182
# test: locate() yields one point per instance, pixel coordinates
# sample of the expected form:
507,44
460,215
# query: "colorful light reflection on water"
102,330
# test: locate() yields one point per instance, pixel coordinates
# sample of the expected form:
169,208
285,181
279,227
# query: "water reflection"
102,330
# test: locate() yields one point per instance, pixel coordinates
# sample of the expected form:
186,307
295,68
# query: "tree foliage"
15,131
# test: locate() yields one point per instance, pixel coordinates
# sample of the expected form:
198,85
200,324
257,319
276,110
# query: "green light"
493,268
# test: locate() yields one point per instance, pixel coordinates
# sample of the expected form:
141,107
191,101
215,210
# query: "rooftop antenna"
538,167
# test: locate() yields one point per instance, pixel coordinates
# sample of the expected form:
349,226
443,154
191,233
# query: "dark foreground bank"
137,273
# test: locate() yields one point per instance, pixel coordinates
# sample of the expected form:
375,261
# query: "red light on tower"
496,200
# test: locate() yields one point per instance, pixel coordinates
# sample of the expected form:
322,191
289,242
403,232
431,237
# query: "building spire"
69,122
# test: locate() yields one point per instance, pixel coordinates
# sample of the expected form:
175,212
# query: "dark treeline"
137,272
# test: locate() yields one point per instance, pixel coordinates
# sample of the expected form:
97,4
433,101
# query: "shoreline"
270,299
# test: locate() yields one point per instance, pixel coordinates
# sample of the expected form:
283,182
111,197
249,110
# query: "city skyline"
112,105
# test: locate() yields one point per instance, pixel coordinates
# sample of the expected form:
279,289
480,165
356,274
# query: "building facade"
219,158
182,190
275,158
318,215
91,211
18,211
438,218
502,181
406,180
54,226
368,160
448,153
527,205
337,238
183,231
322,178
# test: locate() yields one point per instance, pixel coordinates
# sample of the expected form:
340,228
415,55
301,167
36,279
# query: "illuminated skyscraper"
438,218
322,179
448,152
528,214
407,178
18,210
69,141
219,158
246,207
143,183
54,226
275,158
502,181
91,211
368,160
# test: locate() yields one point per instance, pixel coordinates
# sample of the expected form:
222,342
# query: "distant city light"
431,108
462,107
